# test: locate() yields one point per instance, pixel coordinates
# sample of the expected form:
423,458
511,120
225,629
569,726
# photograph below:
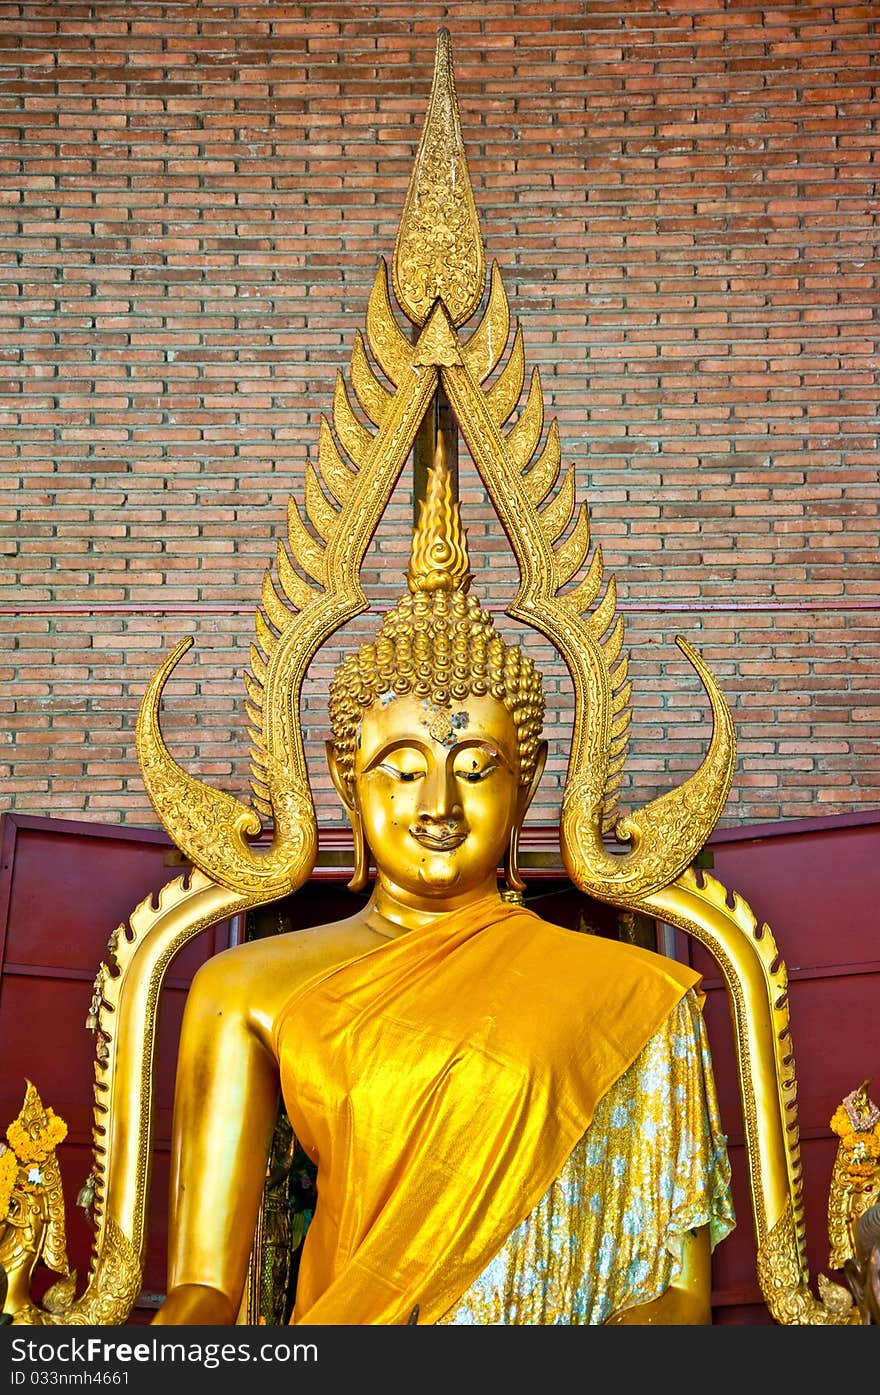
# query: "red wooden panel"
742,1313
836,1041
823,1080
816,883
65,887
734,1272
72,885
834,1038
44,1039
156,1256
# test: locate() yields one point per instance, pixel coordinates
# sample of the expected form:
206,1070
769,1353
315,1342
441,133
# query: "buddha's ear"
345,789
530,790
527,794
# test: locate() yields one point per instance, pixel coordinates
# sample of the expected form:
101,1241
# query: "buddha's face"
438,790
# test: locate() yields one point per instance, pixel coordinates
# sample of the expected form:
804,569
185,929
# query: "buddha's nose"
440,797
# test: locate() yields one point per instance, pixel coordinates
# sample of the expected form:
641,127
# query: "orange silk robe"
439,1082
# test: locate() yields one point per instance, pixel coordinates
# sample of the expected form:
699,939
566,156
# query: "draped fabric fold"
607,1234
440,1082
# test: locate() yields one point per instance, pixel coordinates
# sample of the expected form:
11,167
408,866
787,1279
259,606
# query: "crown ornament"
438,276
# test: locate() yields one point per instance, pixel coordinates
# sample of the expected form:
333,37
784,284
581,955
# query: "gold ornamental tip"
438,254
37,1131
439,559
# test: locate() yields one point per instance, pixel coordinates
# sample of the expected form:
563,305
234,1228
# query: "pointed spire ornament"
438,254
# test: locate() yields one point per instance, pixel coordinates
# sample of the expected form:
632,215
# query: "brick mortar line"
671,607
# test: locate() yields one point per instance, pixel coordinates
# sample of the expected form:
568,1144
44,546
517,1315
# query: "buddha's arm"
225,1107
688,1300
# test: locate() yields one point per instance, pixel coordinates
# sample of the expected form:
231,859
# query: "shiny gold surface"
439,251
452,1070
436,755
666,835
318,589
520,474
33,1232
436,758
437,809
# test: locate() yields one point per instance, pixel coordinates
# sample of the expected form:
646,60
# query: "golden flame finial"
28,1165
37,1131
439,251
439,560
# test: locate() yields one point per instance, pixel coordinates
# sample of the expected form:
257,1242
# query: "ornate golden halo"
438,274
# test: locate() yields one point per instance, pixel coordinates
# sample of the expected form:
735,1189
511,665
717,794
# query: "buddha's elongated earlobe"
361,870
345,789
511,869
511,860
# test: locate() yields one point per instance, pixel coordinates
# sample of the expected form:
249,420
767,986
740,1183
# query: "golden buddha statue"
438,1005
511,1122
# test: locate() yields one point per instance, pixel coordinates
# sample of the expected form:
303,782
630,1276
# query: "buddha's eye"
473,766
404,765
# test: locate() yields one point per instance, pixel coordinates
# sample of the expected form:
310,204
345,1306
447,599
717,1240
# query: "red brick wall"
681,196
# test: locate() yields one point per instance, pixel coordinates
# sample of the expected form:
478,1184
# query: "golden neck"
393,912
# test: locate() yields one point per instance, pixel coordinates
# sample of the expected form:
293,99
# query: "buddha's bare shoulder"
263,973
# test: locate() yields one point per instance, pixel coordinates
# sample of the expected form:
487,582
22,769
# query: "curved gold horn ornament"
124,1018
208,825
215,830
667,834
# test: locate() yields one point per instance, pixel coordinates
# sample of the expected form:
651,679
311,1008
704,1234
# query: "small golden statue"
854,1200
32,1224
510,1122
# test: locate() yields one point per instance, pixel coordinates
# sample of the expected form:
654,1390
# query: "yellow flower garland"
28,1149
862,1146
8,1174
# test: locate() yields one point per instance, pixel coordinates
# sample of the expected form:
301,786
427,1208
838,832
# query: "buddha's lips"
440,839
